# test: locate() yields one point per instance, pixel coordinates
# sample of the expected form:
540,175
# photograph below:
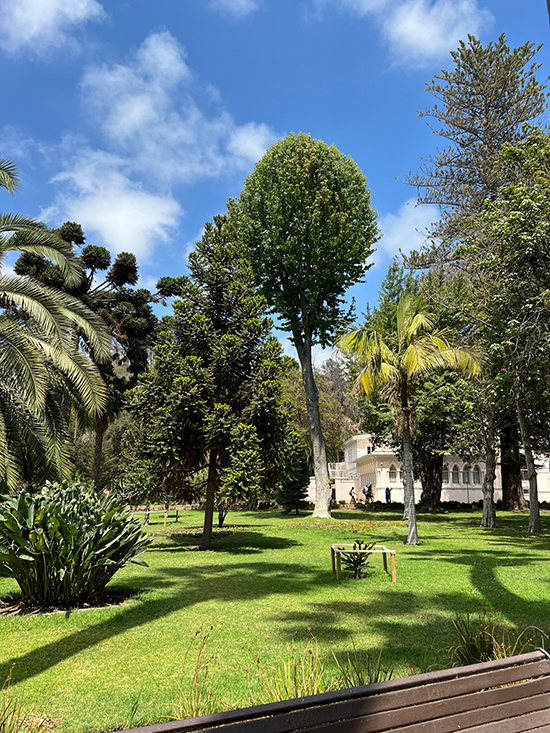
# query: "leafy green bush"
63,544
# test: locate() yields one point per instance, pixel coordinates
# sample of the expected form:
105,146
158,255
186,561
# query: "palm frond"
9,175
21,363
26,234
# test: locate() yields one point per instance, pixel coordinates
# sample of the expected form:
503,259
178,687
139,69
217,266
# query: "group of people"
368,493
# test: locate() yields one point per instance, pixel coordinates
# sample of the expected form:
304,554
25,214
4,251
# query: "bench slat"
538,721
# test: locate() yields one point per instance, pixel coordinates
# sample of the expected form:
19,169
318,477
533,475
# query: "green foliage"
43,374
484,637
308,227
500,81
295,480
210,404
63,544
358,562
125,312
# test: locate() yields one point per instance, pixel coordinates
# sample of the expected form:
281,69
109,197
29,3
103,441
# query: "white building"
367,464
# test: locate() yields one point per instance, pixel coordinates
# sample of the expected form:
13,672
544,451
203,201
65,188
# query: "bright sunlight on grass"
267,591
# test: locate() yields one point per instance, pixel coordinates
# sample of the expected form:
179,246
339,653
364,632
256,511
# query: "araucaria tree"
391,365
308,227
209,406
482,103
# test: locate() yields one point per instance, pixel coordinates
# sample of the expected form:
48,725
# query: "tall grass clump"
13,718
484,637
296,674
198,698
64,543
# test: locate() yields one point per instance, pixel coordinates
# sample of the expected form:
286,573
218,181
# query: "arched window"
392,474
455,475
466,475
445,474
476,475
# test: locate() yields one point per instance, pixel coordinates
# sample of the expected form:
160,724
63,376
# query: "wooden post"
385,561
393,570
338,566
332,568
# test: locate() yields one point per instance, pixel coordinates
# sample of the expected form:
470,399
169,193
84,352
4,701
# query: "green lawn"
267,590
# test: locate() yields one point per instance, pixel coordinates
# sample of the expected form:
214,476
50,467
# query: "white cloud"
105,201
39,26
236,8
418,31
156,136
405,230
146,110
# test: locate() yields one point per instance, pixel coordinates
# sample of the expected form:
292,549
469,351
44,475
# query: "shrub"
63,544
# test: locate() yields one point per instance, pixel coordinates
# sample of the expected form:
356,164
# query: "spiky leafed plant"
41,370
391,362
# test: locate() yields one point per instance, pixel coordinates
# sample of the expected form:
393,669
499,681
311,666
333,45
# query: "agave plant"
65,543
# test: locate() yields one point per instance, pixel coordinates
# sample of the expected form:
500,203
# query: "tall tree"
482,103
514,265
210,404
308,228
391,365
125,311
41,369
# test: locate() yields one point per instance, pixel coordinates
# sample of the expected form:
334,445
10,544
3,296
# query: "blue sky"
139,119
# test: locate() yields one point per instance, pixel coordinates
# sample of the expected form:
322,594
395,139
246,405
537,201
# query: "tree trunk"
534,511
101,425
510,467
322,485
412,535
211,486
147,513
166,510
426,477
431,474
489,518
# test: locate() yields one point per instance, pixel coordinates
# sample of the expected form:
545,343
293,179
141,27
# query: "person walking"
388,495
352,495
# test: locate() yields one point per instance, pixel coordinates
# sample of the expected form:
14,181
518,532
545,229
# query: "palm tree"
390,364
42,372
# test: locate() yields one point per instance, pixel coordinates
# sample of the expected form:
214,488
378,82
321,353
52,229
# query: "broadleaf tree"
307,225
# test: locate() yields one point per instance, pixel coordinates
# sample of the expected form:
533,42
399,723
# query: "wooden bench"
505,696
336,552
